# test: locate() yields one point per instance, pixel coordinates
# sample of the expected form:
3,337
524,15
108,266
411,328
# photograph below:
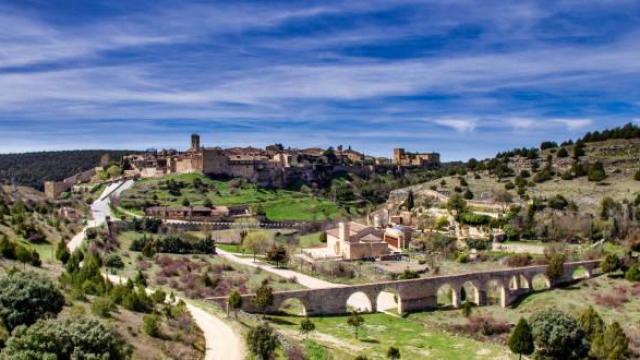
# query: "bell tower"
195,142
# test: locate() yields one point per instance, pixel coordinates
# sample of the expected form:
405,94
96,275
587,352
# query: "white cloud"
519,123
461,125
574,124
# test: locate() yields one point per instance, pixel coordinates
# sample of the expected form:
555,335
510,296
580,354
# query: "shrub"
113,261
610,263
596,172
102,306
151,325
518,260
636,176
69,338
612,300
262,341
633,273
26,297
509,185
558,335
558,202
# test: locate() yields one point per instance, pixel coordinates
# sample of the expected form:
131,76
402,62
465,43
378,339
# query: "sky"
462,78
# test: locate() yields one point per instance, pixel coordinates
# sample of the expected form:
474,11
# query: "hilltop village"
273,166
318,247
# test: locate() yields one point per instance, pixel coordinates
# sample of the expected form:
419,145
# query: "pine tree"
521,340
591,323
612,345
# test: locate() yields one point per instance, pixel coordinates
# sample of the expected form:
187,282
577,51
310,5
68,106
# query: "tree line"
34,168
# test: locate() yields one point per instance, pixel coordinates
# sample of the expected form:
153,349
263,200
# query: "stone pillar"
481,299
455,299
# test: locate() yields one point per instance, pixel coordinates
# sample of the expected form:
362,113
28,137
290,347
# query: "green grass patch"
277,204
380,331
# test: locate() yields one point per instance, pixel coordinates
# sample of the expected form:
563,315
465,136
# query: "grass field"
277,204
380,331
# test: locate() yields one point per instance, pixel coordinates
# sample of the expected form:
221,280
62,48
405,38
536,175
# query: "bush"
518,260
102,306
262,341
69,338
633,273
558,202
26,297
596,172
113,261
558,335
475,219
151,325
479,244
610,263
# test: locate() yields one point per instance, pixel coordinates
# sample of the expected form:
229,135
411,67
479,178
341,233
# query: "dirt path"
385,300
222,343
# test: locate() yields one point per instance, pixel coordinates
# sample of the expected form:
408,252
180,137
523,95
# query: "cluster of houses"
273,165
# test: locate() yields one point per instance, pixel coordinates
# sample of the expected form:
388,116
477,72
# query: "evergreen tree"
263,298
591,323
356,321
521,340
410,200
235,302
613,344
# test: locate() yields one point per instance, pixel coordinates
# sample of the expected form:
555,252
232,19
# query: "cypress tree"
521,340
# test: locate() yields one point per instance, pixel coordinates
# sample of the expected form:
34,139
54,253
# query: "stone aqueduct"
421,294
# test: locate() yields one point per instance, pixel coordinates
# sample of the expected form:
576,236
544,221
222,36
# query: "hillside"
32,169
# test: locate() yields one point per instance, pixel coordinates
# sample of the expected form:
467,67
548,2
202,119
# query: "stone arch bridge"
422,294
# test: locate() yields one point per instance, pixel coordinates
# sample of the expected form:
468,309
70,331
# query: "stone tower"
195,142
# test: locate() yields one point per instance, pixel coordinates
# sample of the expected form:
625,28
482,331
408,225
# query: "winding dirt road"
222,343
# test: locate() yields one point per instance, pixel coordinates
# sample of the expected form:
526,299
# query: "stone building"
408,159
353,241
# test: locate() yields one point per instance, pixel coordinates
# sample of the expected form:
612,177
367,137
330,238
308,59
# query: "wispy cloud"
574,124
259,68
461,125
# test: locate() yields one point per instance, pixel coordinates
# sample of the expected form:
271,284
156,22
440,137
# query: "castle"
408,159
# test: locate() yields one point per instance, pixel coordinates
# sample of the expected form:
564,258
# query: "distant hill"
584,171
32,169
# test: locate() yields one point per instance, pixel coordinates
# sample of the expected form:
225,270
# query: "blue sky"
464,78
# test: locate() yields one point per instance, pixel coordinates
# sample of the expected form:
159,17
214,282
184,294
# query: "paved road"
222,343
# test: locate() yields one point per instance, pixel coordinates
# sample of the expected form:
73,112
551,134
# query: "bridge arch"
470,291
447,296
292,306
580,272
388,299
496,292
540,281
359,301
